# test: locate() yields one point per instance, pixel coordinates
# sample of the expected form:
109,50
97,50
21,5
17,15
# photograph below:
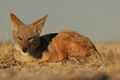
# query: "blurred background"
97,19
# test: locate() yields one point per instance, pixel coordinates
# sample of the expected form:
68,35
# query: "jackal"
29,46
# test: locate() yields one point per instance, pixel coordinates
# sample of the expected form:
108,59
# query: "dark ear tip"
11,14
46,16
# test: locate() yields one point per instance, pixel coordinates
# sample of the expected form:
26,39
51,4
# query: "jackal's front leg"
52,64
45,57
49,59
29,63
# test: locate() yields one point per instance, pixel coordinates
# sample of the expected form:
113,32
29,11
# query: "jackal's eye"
31,39
19,38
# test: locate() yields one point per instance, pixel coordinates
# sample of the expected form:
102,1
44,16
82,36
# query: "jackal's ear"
15,21
38,25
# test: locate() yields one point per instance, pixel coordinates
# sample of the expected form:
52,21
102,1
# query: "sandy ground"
103,67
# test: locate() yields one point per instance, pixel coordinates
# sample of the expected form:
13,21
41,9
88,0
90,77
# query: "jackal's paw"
52,64
29,64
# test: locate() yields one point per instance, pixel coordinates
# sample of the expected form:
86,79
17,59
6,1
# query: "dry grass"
103,67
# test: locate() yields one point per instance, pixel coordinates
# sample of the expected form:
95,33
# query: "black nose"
24,49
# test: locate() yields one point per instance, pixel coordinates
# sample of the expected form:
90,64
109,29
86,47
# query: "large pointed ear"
38,25
15,21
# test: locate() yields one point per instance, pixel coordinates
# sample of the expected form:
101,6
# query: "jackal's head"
26,36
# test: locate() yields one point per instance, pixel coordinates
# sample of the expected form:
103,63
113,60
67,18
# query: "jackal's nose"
24,49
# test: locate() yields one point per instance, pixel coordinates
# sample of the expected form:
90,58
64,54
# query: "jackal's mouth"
27,50
18,48
24,51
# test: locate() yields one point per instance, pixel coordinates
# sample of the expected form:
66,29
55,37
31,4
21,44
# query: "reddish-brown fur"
70,44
